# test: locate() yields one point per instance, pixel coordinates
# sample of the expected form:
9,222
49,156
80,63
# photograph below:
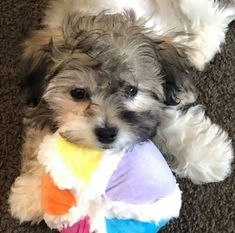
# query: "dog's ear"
33,71
175,70
35,64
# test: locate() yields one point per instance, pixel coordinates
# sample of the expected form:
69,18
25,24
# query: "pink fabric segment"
82,226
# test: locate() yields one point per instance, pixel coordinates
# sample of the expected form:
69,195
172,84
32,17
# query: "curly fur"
97,46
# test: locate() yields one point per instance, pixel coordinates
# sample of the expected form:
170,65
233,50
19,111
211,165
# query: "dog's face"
103,108
103,81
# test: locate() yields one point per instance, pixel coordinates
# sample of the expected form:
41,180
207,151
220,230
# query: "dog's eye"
131,90
79,94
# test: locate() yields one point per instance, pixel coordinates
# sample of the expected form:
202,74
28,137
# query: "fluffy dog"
113,73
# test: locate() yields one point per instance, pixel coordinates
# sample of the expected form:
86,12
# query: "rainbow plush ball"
85,190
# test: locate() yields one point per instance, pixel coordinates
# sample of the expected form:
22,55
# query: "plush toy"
87,190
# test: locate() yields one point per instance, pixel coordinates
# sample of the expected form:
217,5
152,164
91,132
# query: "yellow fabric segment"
81,161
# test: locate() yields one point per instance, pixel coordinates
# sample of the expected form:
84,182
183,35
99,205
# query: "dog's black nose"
106,135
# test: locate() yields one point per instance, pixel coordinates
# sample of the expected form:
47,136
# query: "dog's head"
102,80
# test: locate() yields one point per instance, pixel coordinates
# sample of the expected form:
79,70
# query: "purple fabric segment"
142,176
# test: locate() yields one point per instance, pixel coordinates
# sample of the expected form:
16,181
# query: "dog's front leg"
202,151
25,196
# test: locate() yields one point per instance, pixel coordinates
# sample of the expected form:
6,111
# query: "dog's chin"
107,147
127,142
115,146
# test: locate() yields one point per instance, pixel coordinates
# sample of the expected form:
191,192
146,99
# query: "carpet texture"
208,208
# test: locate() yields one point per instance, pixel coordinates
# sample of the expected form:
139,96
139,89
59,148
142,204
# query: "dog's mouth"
106,147
117,144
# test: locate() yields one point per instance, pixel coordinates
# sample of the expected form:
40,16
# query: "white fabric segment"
165,208
102,174
48,156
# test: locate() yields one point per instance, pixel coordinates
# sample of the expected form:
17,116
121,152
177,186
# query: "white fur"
140,103
165,208
208,22
203,151
60,8
205,19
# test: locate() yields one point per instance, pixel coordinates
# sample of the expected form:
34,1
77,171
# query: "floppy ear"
33,71
175,70
35,64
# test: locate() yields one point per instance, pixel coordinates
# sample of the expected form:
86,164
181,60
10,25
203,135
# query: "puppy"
108,77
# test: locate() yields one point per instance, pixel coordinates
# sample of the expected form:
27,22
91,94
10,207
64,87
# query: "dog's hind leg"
208,22
201,150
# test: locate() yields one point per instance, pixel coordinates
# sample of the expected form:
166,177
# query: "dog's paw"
207,152
210,160
25,199
201,150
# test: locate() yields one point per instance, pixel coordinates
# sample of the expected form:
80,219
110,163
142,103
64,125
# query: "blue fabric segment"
115,225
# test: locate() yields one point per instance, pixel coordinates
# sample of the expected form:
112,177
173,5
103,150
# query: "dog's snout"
106,135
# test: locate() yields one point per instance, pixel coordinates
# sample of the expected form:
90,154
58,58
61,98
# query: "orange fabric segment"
54,200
